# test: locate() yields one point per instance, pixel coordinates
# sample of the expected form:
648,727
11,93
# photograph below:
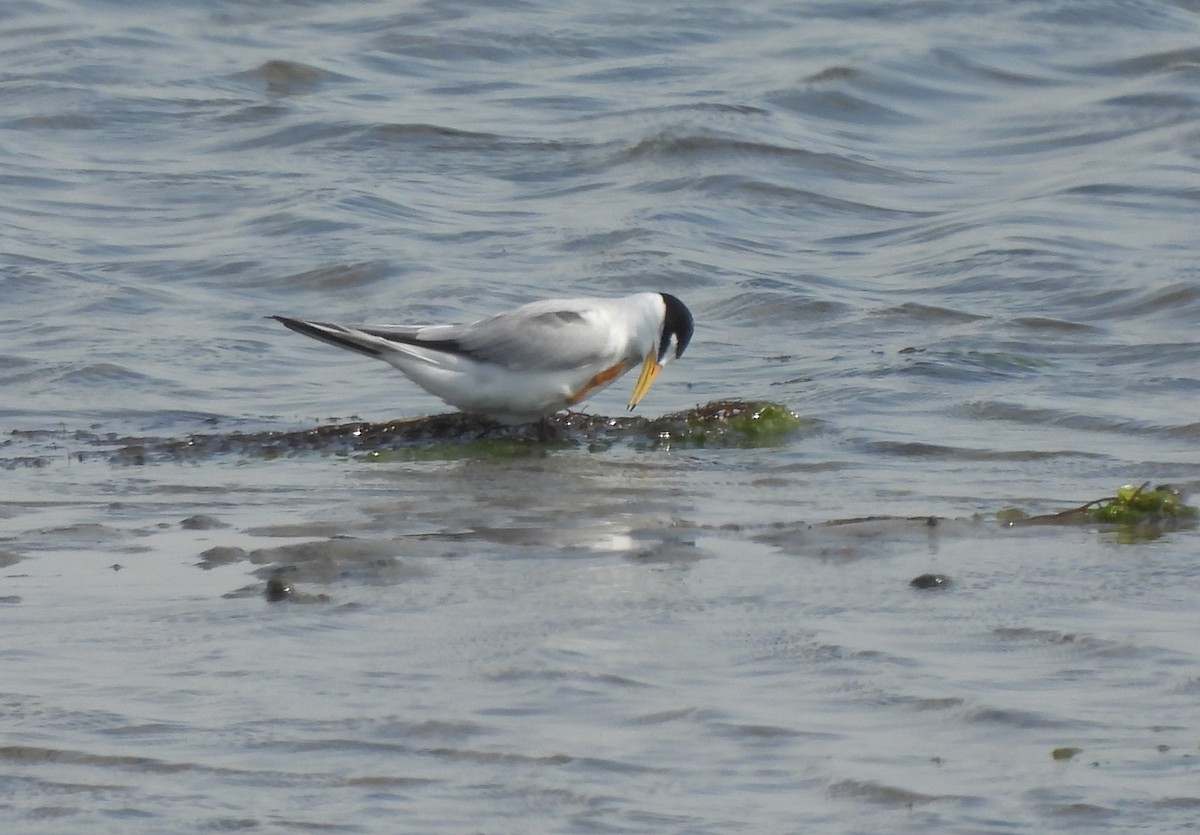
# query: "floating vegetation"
722,423
728,423
1137,513
1065,753
454,435
1139,505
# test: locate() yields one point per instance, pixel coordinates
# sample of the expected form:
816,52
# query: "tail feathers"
338,335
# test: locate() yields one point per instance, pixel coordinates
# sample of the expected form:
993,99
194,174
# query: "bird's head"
674,334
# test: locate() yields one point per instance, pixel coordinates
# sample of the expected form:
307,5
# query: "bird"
530,362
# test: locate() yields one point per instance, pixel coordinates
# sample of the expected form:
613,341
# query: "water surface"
958,240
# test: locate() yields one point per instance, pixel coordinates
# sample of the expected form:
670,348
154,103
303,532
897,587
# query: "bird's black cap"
677,322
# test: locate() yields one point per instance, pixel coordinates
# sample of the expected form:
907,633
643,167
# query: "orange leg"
606,376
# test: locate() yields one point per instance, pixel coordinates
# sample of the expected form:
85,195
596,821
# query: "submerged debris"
929,581
278,589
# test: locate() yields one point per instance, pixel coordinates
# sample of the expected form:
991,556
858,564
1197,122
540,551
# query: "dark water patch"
323,562
475,755
56,122
1082,644
987,69
760,733
916,313
1078,814
1097,126
932,451
297,136
391,211
287,78
923,703
1042,415
1166,62
656,112
767,200
328,279
840,106
688,714
1041,636
1177,802
35,755
327,551
671,550
684,146
300,529
101,375
1051,325
1159,103
202,522
763,307
14,370
81,535
882,794
606,241
374,782
301,222
1173,299
221,555
146,729
968,366
258,113
424,53
444,138
849,540
1023,719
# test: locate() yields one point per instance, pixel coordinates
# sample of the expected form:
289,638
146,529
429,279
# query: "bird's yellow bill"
650,369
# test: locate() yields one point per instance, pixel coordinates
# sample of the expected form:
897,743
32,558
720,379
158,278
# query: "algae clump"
764,420
729,423
1140,505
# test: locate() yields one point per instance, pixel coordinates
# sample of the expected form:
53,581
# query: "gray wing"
532,338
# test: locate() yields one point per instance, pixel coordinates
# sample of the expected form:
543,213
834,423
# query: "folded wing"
543,336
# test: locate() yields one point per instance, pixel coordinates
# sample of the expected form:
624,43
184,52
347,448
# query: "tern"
525,364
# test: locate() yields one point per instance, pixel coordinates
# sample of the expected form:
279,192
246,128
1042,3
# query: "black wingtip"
327,333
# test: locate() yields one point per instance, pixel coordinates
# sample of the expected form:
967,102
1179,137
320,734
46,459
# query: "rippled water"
958,239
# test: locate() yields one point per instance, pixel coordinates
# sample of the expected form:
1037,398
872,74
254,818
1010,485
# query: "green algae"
1134,514
726,423
1141,505
448,436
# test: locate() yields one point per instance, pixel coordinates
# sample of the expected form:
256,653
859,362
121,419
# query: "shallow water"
957,239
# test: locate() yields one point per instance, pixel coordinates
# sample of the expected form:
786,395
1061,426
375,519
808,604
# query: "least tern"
530,362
